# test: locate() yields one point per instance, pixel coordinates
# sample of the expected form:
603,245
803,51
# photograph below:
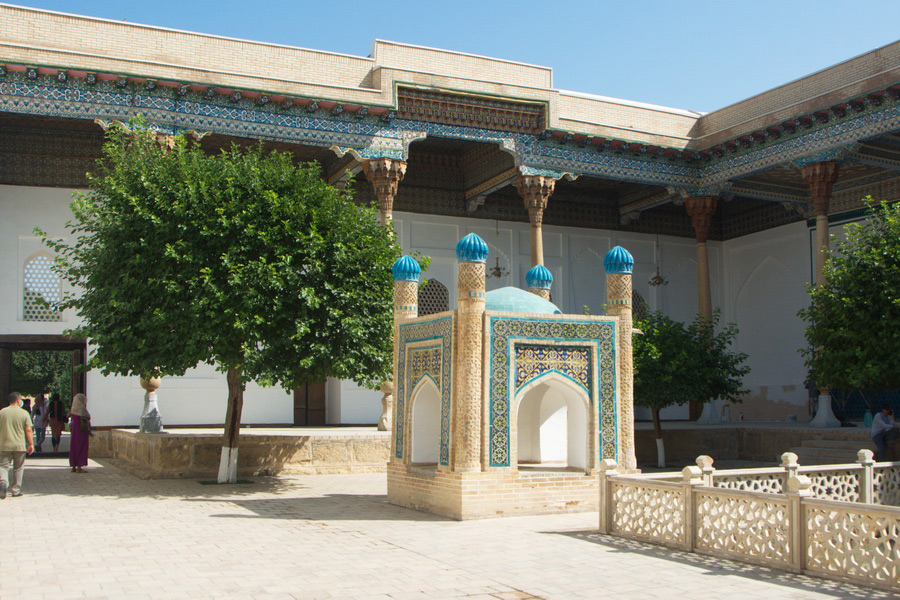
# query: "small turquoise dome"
406,269
539,277
512,299
471,249
618,260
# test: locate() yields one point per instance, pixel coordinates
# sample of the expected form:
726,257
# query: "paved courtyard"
107,534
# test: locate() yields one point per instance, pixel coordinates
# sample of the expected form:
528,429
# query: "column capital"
535,191
385,175
820,178
701,210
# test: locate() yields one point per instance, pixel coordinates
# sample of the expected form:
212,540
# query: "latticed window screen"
639,307
41,286
433,298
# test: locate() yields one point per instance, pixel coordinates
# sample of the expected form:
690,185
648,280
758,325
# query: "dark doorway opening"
309,404
54,346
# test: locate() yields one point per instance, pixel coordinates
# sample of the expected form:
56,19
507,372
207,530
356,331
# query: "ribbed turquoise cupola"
618,260
406,269
539,277
471,249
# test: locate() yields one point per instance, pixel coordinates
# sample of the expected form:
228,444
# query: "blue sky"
699,55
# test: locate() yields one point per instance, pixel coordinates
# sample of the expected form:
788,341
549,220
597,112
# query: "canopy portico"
724,203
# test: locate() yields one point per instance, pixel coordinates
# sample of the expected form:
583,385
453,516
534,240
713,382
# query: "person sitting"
884,429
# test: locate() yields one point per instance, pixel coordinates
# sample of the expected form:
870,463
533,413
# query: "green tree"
243,260
676,363
853,321
42,372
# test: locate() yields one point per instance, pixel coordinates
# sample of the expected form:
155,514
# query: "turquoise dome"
618,260
539,277
406,269
471,249
511,299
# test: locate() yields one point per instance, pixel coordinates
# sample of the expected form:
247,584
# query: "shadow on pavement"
330,507
719,566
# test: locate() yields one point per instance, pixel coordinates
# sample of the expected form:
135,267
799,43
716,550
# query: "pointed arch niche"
425,422
552,423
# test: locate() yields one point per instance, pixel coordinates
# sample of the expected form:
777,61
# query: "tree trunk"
660,448
228,462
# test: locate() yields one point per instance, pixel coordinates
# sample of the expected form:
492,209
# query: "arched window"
42,288
639,307
433,298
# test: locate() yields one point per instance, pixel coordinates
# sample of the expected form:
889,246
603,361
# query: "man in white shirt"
884,429
16,440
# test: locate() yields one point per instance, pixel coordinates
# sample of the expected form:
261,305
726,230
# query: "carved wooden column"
385,175
701,210
820,178
471,252
535,191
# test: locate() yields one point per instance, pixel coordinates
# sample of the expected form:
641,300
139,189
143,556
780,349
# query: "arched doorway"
552,423
425,426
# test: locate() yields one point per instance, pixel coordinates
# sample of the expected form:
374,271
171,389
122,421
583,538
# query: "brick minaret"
539,280
406,306
471,252
618,264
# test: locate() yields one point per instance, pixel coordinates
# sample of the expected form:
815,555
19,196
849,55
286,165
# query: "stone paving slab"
109,535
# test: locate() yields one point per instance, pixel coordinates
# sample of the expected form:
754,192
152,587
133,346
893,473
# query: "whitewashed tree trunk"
229,460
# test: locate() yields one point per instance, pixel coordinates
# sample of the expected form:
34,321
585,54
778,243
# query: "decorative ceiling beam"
343,169
630,210
874,160
476,195
770,193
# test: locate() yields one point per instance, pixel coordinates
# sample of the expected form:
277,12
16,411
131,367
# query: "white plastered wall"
757,280
197,398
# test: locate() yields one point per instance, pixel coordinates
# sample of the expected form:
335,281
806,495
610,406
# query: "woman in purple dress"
81,434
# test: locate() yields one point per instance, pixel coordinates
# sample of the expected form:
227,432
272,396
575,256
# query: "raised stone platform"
194,453
756,441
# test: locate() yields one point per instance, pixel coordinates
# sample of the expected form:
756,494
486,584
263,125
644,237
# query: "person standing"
39,418
57,417
884,429
81,434
16,440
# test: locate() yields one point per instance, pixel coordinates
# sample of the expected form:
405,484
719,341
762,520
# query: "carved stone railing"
832,521
862,481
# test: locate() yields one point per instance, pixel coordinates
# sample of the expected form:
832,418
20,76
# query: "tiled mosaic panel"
533,361
418,361
602,343
422,362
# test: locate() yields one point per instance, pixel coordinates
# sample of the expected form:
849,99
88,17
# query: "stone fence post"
798,488
606,469
705,463
867,476
791,467
692,476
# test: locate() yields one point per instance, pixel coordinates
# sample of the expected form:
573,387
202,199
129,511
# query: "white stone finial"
691,473
607,465
704,461
789,459
866,456
800,484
